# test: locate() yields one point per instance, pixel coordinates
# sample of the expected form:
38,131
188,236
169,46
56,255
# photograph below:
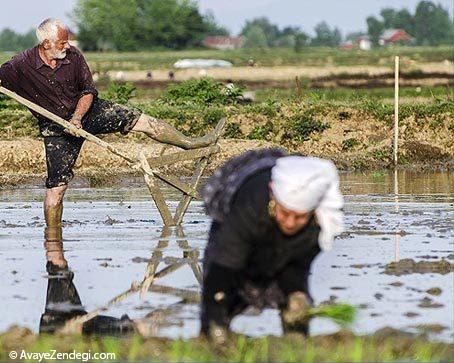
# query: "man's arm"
82,108
86,88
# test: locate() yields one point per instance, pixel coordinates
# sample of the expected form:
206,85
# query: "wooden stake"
396,108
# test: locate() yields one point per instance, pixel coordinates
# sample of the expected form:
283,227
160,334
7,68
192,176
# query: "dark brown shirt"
57,90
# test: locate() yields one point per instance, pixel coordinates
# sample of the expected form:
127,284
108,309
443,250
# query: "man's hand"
76,120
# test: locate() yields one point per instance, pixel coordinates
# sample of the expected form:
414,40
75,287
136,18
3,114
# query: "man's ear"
46,44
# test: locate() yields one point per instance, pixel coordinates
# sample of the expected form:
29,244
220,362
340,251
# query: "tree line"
131,25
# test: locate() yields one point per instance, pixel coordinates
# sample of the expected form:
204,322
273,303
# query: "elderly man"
55,75
272,214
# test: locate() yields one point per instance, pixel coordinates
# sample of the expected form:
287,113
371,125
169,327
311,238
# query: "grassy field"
265,57
340,347
351,125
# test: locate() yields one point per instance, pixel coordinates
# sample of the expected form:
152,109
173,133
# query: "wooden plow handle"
65,124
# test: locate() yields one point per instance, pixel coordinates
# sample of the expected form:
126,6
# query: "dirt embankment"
23,160
351,139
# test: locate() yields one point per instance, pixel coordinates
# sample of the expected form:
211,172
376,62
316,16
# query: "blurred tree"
255,37
171,23
12,41
433,25
301,40
142,24
325,36
404,20
105,24
430,25
213,28
271,31
374,29
388,17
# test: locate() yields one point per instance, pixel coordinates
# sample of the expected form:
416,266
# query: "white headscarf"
304,184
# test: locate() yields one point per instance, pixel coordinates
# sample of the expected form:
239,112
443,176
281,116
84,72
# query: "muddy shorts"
104,117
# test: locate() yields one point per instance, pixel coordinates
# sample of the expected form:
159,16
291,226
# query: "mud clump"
419,151
427,303
396,284
410,266
410,314
436,291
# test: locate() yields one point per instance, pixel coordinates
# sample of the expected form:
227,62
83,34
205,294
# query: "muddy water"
111,235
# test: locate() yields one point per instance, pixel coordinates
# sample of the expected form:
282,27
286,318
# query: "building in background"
393,36
223,43
363,43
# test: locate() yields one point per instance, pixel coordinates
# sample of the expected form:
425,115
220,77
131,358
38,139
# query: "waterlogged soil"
394,261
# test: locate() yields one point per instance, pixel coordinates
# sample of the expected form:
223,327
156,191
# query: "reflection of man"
272,215
62,300
54,75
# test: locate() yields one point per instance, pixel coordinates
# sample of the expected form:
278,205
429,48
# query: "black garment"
250,260
62,150
58,90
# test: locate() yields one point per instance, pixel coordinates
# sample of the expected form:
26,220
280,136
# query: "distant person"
55,76
272,215
149,75
171,75
251,62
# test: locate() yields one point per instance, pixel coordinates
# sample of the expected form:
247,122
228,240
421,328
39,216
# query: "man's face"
290,222
57,48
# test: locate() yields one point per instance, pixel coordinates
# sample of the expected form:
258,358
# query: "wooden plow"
149,166
190,256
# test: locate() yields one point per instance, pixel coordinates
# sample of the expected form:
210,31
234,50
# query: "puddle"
113,240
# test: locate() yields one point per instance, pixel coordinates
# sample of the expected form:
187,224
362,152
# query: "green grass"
407,94
268,57
340,347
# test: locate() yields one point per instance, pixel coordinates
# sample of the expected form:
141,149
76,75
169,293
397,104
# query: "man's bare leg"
161,131
53,205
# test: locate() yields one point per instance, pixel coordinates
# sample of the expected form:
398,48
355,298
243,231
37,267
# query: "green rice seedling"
342,314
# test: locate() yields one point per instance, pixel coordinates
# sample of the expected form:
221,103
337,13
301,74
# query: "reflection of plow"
147,165
190,257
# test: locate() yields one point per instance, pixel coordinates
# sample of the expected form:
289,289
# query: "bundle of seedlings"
342,314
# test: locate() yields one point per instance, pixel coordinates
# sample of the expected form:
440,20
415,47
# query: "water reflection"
63,303
190,256
64,311
352,272
396,209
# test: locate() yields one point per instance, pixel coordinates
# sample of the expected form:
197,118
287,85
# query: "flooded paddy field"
395,260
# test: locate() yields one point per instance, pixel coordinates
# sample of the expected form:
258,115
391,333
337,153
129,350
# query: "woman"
272,214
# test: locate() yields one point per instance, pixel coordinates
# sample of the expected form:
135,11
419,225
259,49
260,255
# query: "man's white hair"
48,29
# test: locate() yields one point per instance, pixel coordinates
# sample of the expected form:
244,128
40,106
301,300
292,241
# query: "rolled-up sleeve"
86,84
9,76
